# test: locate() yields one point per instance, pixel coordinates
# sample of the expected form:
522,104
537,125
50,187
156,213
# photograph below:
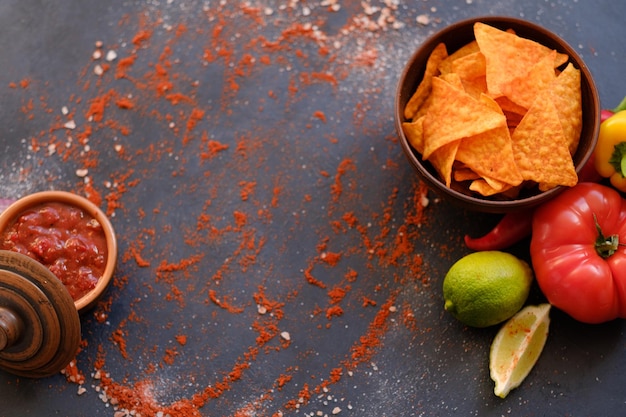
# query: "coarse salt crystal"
336,410
285,335
111,56
423,19
81,390
82,172
70,124
98,70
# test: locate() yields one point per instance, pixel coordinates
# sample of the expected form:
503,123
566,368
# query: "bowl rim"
474,202
14,209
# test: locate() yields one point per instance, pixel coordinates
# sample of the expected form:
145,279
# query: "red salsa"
70,242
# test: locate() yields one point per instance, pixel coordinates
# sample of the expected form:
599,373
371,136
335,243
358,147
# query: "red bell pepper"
578,255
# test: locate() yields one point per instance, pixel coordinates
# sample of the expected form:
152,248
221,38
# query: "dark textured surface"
307,113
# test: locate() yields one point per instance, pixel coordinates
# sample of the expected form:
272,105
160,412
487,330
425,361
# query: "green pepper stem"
618,158
605,246
621,106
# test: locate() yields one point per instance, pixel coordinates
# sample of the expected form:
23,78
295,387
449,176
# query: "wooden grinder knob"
11,327
39,323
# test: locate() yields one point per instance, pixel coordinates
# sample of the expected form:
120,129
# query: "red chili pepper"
515,226
512,228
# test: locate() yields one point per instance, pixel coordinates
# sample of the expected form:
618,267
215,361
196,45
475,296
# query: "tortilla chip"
490,102
414,132
508,106
523,90
490,155
540,147
464,174
443,159
475,87
566,95
470,66
453,115
423,89
487,187
508,56
452,78
469,48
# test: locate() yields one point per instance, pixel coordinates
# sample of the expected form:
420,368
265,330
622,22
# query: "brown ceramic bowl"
457,35
9,215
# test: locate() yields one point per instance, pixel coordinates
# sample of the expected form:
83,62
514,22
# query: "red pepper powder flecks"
230,260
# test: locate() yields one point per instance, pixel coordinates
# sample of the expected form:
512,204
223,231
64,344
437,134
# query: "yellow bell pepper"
610,152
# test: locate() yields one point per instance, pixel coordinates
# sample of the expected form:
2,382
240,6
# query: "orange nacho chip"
462,173
565,93
443,159
490,154
446,65
463,115
508,56
453,79
470,66
508,106
540,147
522,90
488,187
414,132
423,89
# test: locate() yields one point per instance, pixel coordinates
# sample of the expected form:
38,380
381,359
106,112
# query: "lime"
486,288
517,346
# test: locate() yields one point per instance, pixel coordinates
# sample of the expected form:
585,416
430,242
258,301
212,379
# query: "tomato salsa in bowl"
69,235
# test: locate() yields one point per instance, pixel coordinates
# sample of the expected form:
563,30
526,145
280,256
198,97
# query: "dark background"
302,96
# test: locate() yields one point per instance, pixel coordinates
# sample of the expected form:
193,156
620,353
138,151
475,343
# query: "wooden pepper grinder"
39,323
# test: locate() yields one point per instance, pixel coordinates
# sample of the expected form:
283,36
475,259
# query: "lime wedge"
517,346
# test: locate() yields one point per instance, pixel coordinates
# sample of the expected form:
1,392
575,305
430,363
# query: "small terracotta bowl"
8,216
457,35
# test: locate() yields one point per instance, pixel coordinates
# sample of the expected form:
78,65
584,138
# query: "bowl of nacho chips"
497,113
